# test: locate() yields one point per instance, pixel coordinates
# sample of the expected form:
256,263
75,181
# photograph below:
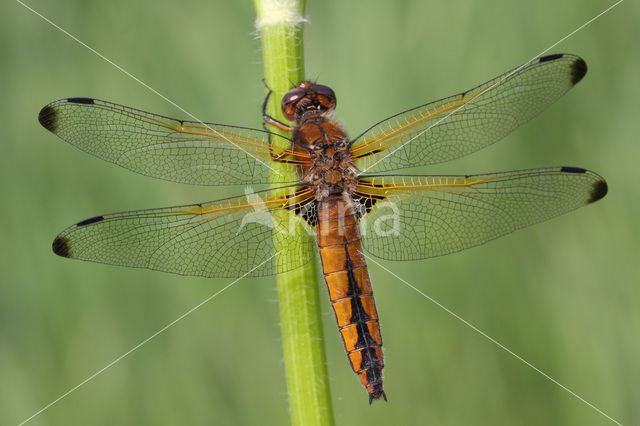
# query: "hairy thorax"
332,171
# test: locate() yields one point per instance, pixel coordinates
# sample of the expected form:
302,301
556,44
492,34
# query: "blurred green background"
564,295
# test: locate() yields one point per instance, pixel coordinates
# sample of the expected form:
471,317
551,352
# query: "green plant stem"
280,28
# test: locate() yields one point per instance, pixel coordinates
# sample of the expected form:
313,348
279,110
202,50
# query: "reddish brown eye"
292,96
324,91
326,96
319,98
290,100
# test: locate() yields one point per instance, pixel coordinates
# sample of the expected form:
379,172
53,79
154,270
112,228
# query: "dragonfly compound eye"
325,96
290,101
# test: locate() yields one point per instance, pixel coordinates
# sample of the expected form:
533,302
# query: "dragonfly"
336,188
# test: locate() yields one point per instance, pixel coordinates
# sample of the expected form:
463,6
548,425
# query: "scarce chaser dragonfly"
342,192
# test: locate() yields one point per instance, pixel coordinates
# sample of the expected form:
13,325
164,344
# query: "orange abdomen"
347,278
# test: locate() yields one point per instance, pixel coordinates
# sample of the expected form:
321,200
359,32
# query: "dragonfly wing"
234,237
461,124
162,147
417,217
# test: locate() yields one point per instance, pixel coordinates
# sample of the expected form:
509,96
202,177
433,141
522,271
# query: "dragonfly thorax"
332,171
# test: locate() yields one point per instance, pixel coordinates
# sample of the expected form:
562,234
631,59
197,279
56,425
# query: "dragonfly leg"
269,119
276,123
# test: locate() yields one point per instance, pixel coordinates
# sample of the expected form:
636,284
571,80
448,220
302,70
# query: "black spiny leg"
276,123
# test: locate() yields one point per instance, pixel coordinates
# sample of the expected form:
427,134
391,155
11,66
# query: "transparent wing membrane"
166,148
225,238
417,217
474,119
401,217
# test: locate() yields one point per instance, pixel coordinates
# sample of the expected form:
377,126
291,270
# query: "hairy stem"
279,23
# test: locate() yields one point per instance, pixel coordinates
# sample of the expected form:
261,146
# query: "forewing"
461,124
417,217
163,147
254,235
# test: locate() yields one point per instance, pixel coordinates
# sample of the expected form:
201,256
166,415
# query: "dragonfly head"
307,97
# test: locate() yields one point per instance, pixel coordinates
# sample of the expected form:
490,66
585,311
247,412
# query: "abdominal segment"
347,278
